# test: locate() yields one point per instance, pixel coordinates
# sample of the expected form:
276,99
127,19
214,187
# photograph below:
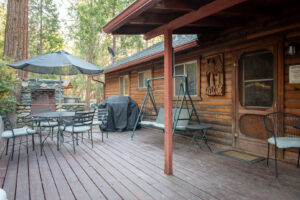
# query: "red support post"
168,96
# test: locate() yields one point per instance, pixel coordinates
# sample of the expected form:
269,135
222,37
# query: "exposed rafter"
204,11
153,19
186,5
135,9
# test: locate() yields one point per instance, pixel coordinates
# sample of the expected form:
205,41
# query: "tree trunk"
16,32
89,79
88,92
114,36
41,27
98,91
41,30
114,47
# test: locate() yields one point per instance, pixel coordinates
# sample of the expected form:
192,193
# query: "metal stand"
176,117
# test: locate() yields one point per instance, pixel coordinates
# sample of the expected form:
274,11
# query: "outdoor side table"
199,132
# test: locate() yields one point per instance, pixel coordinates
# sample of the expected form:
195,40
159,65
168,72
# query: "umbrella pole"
60,93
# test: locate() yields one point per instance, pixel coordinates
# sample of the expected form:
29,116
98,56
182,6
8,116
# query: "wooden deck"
124,169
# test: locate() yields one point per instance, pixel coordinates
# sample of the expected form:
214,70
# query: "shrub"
8,86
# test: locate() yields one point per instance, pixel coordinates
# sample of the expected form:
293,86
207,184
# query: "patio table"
59,116
195,129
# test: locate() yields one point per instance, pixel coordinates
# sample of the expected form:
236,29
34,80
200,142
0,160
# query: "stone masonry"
24,107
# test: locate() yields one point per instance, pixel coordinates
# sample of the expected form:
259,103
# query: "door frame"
276,47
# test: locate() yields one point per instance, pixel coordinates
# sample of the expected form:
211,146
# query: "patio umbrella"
58,62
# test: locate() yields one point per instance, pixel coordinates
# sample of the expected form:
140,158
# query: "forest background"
76,27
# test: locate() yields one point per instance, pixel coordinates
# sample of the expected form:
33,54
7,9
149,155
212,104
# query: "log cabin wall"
291,97
220,111
216,111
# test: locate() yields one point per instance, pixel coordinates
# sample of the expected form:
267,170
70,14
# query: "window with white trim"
143,77
189,69
124,85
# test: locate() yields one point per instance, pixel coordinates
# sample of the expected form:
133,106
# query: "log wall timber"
219,111
216,111
291,91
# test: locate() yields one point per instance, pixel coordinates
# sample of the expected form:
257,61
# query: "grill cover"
122,113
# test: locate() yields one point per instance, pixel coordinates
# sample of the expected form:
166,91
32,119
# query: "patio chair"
102,120
282,133
3,195
47,123
81,122
13,133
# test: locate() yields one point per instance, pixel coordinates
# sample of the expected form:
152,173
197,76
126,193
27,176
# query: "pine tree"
16,31
44,27
2,27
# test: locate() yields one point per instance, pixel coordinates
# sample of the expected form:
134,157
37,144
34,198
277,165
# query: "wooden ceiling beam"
196,30
178,5
135,9
215,21
204,11
249,10
153,19
134,29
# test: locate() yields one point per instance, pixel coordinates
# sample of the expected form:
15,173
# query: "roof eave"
151,57
136,8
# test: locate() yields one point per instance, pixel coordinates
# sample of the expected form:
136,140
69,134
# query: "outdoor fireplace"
42,95
42,100
37,96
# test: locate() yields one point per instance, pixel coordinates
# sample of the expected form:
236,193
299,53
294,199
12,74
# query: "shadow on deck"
123,169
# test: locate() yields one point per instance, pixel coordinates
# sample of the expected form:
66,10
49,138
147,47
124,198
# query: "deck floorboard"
119,168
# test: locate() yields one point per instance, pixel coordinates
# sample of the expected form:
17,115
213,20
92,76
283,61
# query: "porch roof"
208,18
180,42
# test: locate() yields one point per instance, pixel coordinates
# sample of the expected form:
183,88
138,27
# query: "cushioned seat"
3,195
159,125
46,124
147,123
97,123
160,120
18,132
77,129
285,142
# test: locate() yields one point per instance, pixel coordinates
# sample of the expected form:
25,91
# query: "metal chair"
13,133
48,123
102,120
282,133
81,122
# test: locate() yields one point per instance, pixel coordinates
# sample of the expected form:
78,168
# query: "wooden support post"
279,106
168,95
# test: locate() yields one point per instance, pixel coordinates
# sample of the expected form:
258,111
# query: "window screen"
124,85
256,79
143,77
189,69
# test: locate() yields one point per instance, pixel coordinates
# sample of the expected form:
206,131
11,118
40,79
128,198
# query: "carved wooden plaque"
215,75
